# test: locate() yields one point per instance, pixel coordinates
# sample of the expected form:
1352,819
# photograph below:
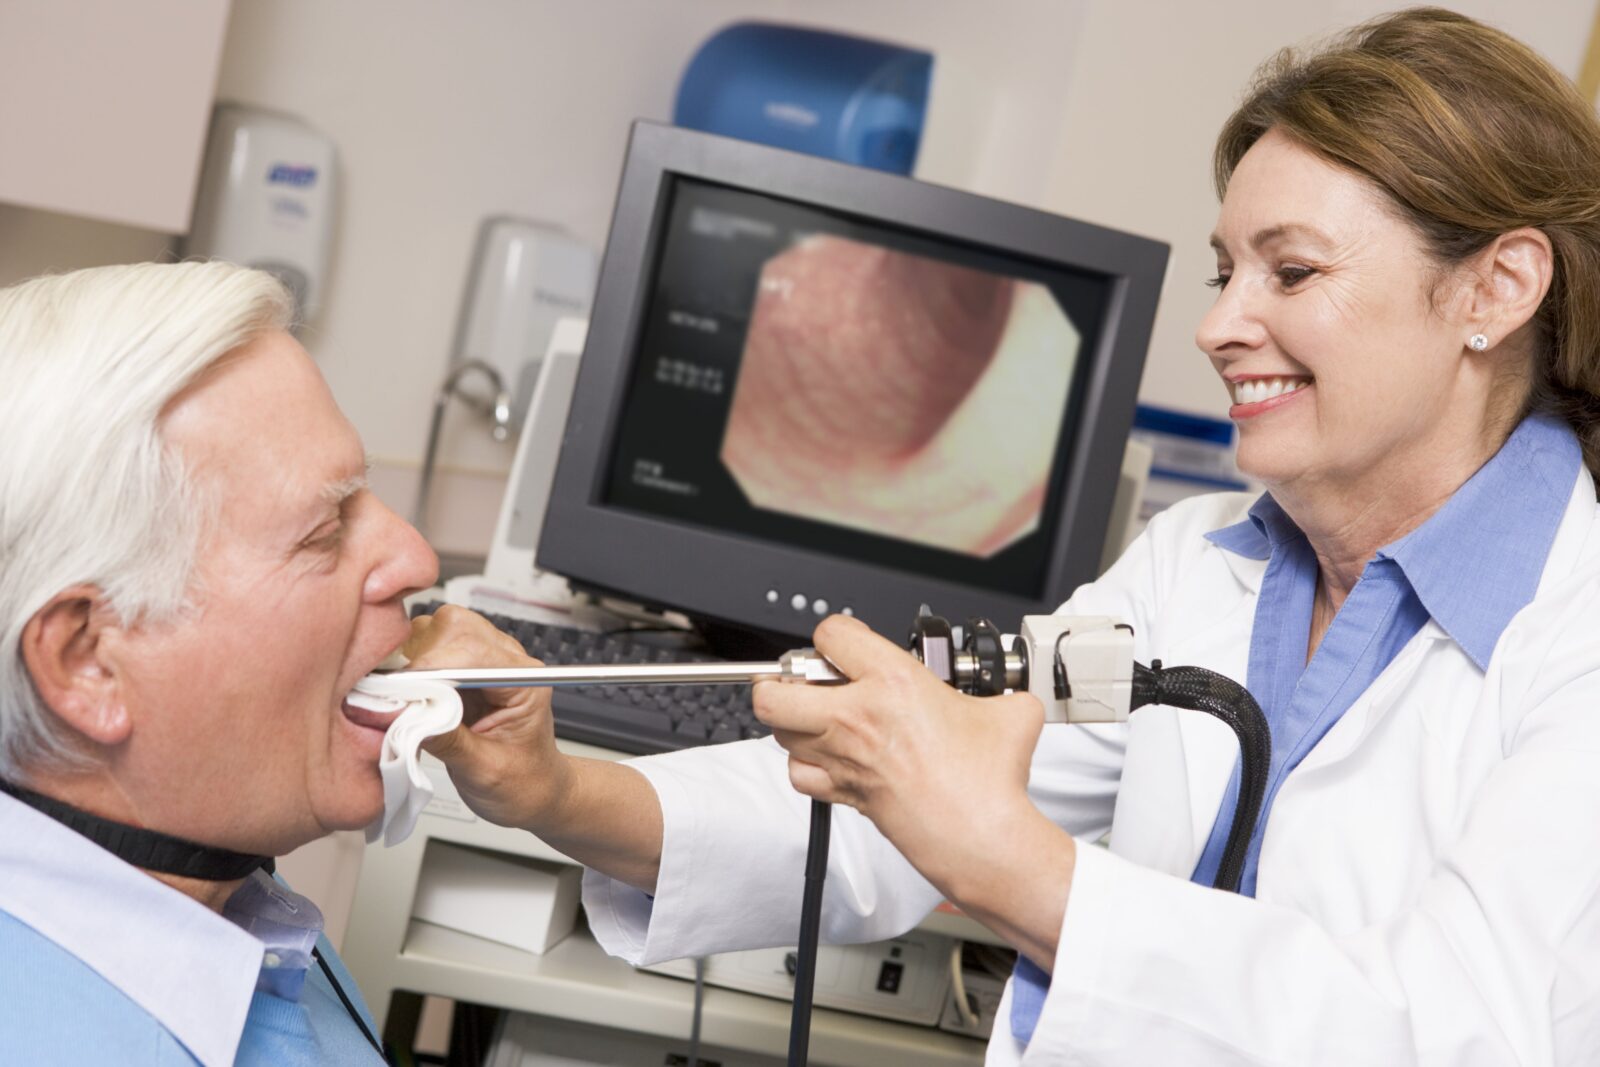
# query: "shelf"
577,980
960,926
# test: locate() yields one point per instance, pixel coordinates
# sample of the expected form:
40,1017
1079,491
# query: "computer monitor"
809,388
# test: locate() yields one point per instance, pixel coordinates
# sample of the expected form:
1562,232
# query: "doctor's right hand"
503,757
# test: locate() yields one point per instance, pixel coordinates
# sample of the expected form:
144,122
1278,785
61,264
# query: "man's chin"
356,800
352,817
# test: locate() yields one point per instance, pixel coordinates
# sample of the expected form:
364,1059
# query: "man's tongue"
366,709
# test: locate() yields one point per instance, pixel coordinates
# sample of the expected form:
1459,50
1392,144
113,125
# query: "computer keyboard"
638,719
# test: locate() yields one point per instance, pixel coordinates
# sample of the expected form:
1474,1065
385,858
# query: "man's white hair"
89,492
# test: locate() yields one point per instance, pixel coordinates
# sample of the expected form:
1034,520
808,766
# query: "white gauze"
421,710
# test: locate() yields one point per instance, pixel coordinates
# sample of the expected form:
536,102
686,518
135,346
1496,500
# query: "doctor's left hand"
937,771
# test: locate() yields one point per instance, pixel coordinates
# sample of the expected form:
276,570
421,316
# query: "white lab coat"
1429,881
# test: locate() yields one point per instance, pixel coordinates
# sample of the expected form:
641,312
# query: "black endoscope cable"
1197,689
344,998
1191,688
805,971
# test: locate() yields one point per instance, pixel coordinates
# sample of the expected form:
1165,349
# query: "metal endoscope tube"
802,665
599,674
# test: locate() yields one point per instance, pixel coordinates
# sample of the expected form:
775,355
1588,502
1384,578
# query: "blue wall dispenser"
828,94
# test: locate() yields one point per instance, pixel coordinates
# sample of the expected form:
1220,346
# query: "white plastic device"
516,532
1080,667
519,901
510,583
525,277
266,200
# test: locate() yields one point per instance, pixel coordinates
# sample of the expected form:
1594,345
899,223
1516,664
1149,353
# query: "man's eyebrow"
337,493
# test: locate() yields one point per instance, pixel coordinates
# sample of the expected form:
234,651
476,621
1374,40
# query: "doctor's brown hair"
1471,134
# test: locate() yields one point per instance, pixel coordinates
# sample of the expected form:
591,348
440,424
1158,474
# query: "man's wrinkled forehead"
261,430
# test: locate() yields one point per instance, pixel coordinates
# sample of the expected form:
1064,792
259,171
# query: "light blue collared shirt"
1470,567
101,963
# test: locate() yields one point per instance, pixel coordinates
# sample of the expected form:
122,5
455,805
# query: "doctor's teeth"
1258,389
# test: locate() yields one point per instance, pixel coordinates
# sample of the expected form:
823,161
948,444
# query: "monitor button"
772,596
819,606
847,610
798,602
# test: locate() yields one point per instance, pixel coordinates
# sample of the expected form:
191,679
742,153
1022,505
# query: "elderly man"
194,577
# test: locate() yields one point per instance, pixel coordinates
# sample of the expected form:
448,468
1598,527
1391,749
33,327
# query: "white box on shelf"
518,901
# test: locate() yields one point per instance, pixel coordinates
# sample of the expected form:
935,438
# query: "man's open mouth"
374,712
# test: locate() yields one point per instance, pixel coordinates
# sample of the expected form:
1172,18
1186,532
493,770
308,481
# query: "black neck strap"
149,849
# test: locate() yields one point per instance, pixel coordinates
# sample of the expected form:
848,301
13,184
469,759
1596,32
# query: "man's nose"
406,562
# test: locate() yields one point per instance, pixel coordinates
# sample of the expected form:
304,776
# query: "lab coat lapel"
1246,572
1369,709
1211,749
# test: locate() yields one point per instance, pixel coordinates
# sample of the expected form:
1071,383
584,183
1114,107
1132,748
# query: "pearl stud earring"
1477,342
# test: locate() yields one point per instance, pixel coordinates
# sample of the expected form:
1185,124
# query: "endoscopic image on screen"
900,395
860,392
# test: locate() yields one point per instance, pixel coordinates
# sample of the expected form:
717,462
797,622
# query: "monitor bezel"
729,578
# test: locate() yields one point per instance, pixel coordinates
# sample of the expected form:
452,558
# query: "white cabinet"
104,105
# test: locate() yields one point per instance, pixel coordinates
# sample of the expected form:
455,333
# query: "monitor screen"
809,387
846,387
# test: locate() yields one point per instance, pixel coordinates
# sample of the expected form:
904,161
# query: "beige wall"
442,114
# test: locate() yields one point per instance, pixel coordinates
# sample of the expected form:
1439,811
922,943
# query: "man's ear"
1512,277
63,652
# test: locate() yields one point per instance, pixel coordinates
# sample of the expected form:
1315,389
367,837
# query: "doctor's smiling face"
297,594
1340,340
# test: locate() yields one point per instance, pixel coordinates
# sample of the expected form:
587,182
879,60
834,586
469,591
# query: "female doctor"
1408,322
